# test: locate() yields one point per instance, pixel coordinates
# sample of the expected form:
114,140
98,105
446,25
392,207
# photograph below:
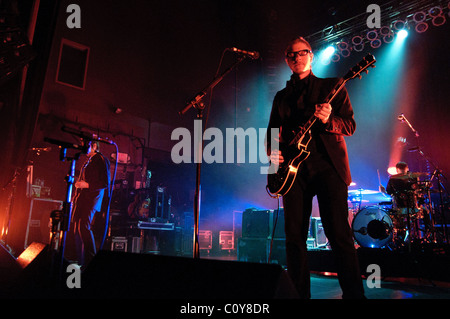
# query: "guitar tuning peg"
367,71
373,65
359,76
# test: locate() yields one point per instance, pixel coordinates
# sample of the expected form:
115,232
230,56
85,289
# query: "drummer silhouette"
399,182
401,186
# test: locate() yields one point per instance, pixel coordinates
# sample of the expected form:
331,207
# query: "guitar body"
279,183
294,155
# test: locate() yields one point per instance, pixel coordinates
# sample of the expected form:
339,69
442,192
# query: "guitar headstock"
362,66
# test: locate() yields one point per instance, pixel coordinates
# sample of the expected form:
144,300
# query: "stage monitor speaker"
9,268
30,254
127,275
30,271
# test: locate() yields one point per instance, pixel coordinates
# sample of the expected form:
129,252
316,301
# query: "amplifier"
317,233
260,223
257,223
39,223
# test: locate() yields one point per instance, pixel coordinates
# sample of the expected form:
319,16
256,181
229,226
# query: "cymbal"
418,174
410,175
362,191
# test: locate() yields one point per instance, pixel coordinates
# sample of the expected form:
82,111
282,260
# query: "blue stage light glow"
326,54
402,34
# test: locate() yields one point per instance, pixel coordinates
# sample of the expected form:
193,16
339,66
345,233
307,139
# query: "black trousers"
319,177
81,246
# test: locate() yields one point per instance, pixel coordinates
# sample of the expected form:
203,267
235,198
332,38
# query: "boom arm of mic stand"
410,126
196,101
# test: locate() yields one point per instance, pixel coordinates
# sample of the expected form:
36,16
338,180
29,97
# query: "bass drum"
372,227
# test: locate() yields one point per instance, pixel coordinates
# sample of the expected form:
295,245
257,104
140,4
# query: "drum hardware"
390,224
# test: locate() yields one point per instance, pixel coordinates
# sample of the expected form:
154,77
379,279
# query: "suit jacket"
290,111
97,175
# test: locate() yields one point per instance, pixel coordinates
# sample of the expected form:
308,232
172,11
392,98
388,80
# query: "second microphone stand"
436,174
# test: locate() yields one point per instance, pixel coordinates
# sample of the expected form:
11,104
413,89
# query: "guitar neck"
308,125
363,65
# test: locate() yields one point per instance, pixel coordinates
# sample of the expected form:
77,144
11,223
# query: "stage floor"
325,285
212,273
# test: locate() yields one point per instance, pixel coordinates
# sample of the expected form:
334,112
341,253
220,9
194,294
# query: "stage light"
375,43
421,27
419,19
356,40
435,12
438,21
344,48
326,54
398,25
372,35
343,45
389,38
392,170
402,34
437,18
345,53
335,57
358,44
329,51
419,16
384,31
387,34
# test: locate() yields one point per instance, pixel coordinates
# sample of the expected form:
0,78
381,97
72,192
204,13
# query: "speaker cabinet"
261,223
39,224
118,275
9,268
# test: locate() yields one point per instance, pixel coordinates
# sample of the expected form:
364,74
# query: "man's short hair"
401,165
296,40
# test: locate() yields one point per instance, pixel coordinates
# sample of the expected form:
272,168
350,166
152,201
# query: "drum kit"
395,221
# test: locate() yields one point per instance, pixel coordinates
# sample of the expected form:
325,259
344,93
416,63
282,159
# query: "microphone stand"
438,174
197,103
61,218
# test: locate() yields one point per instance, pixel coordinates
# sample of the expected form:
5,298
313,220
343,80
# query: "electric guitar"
279,183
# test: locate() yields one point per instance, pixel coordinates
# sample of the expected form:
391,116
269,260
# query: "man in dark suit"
325,173
91,187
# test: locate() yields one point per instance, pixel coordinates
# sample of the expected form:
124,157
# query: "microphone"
403,119
251,54
86,135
